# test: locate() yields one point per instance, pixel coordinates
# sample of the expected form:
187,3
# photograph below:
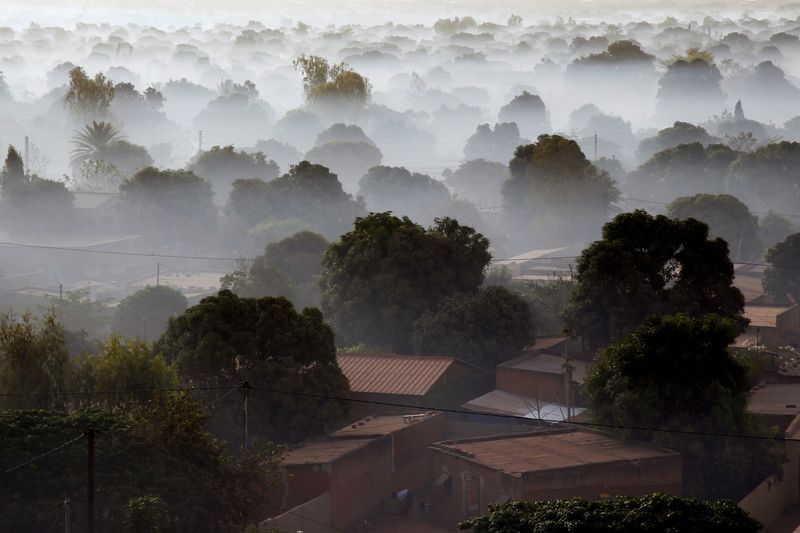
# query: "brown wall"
548,388
304,483
412,459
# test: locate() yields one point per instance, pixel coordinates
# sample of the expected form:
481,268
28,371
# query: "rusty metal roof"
518,454
408,375
764,316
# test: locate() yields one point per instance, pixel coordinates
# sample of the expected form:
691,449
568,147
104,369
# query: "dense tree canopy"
767,176
88,98
159,449
642,382
782,276
555,191
225,340
529,113
145,313
169,205
726,217
647,264
385,273
493,144
678,133
486,328
350,160
221,166
479,181
647,514
395,189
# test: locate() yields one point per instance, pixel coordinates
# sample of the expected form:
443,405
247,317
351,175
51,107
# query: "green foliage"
395,189
619,53
655,513
646,265
385,273
782,277
332,85
769,171
223,166
678,133
159,450
479,181
726,217
225,340
90,140
145,313
551,178
126,157
643,382
485,328
169,205
88,98
77,312
123,366
548,301
22,206
33,358
145,514
13,174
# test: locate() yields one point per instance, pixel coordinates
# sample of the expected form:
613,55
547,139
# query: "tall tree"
225,340
145,313
88,99
385,273
674,373
782,276
647,265
13,175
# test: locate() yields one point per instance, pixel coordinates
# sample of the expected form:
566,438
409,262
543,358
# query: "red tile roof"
409,375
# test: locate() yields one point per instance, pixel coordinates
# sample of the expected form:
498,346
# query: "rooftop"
518,454
410,375
550,364
542,344
382,424
507,403
764,316
324,451
533,255
775,399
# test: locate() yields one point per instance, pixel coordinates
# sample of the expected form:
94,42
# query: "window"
472,494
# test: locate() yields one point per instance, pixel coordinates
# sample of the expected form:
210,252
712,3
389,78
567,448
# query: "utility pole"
66,515
199,141
60,291
90,480
246,390
158,274
27,151
595,147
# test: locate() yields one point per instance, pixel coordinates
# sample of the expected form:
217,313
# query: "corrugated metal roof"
507,403
409,375
519,454
324,451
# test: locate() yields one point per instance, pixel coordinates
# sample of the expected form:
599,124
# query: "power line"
29,461
124,391
111,252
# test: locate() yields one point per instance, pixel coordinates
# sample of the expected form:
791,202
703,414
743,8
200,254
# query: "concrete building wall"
304,483
412,459
548,388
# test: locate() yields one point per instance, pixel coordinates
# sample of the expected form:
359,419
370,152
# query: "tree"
13,171
528,112
222,166
33,359
773,229
145,313
678,133
90,140
486,328
146,514
726,217
782,277
395,189
24,202
642,383
77,312
655,513
555,190
685,169
159,450
479,181
496,144
169,205
226,340
690,86
123,366
291,267
766,175
332,88
340,132
126,157
88,98
349,160
386,272
647,265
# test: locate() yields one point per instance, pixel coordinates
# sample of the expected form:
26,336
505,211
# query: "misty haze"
361,267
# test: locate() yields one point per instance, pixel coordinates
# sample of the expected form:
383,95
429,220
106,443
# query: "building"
777,403
343,478
408,380
470,474
771,325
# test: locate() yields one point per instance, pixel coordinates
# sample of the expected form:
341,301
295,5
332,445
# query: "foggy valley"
361,267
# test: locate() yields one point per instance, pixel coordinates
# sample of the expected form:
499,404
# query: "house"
344,477
393,381
771,325
470,474
777,403
542,264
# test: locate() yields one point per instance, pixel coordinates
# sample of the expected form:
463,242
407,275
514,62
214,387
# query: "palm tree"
91,139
